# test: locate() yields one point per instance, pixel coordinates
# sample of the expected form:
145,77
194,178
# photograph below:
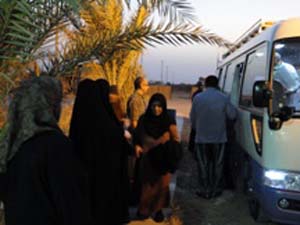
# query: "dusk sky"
229,19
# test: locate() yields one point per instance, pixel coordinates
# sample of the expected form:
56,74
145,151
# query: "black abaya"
46,184
99,140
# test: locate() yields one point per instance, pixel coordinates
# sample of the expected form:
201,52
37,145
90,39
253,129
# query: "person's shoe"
159,216
140,216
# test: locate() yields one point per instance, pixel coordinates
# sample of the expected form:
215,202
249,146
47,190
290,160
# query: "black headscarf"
156,126
92,116
104,90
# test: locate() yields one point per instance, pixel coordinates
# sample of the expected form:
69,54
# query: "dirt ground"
229,209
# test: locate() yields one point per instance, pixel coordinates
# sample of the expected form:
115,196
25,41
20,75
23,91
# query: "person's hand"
165,138
127,135
138,151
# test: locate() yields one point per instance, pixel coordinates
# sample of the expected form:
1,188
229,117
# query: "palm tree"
26,25
117,44
29,28
97,40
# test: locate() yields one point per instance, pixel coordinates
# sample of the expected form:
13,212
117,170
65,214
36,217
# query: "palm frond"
160,35
106,44
174,10
152,35
26,24
139,18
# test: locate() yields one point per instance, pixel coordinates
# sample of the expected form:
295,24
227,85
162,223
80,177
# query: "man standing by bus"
208,115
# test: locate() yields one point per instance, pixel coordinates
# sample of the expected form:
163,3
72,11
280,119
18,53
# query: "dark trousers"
210,161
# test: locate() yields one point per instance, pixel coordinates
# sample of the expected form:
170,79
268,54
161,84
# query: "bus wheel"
256,212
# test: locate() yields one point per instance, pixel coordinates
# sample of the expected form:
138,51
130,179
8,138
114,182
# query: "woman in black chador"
99,140
44,180
157,143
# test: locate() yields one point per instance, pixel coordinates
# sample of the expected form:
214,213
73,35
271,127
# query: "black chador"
99,140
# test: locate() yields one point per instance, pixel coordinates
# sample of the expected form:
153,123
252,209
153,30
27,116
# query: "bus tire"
256,211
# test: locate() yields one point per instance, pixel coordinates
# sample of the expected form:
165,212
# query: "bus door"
234,154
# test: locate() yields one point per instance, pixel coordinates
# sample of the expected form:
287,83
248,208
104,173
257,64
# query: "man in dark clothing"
209,112
44,181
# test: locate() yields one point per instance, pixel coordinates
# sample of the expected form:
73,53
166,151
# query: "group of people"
49,178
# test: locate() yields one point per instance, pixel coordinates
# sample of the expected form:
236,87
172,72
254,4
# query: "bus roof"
268,32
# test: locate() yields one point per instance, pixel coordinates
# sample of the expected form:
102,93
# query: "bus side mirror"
277,118
261,94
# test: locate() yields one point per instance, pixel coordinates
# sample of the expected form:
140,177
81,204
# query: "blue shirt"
208,115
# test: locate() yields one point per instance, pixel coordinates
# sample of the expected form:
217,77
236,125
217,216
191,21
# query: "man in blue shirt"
208,115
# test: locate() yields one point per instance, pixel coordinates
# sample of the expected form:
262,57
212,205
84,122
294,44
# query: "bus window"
255,70
228,78
220,77
225,75
235,91
286,76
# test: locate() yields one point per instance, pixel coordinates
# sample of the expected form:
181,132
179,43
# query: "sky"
227,18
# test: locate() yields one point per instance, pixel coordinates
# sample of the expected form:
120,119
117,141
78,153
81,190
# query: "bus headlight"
282,180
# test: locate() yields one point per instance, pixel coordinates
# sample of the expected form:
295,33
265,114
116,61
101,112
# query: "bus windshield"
286,74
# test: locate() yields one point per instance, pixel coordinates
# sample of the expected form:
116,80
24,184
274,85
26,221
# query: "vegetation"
57,36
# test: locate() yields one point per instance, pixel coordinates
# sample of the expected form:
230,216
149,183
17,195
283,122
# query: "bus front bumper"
281,206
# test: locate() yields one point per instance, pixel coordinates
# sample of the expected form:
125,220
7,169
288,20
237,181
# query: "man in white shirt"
287,76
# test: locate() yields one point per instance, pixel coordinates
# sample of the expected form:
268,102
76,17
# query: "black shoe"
140,216
205,195
159,217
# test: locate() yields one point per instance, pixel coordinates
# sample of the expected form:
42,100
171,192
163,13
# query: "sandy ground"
182,103
229,209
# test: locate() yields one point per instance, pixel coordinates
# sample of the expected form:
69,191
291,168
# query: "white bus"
262,76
